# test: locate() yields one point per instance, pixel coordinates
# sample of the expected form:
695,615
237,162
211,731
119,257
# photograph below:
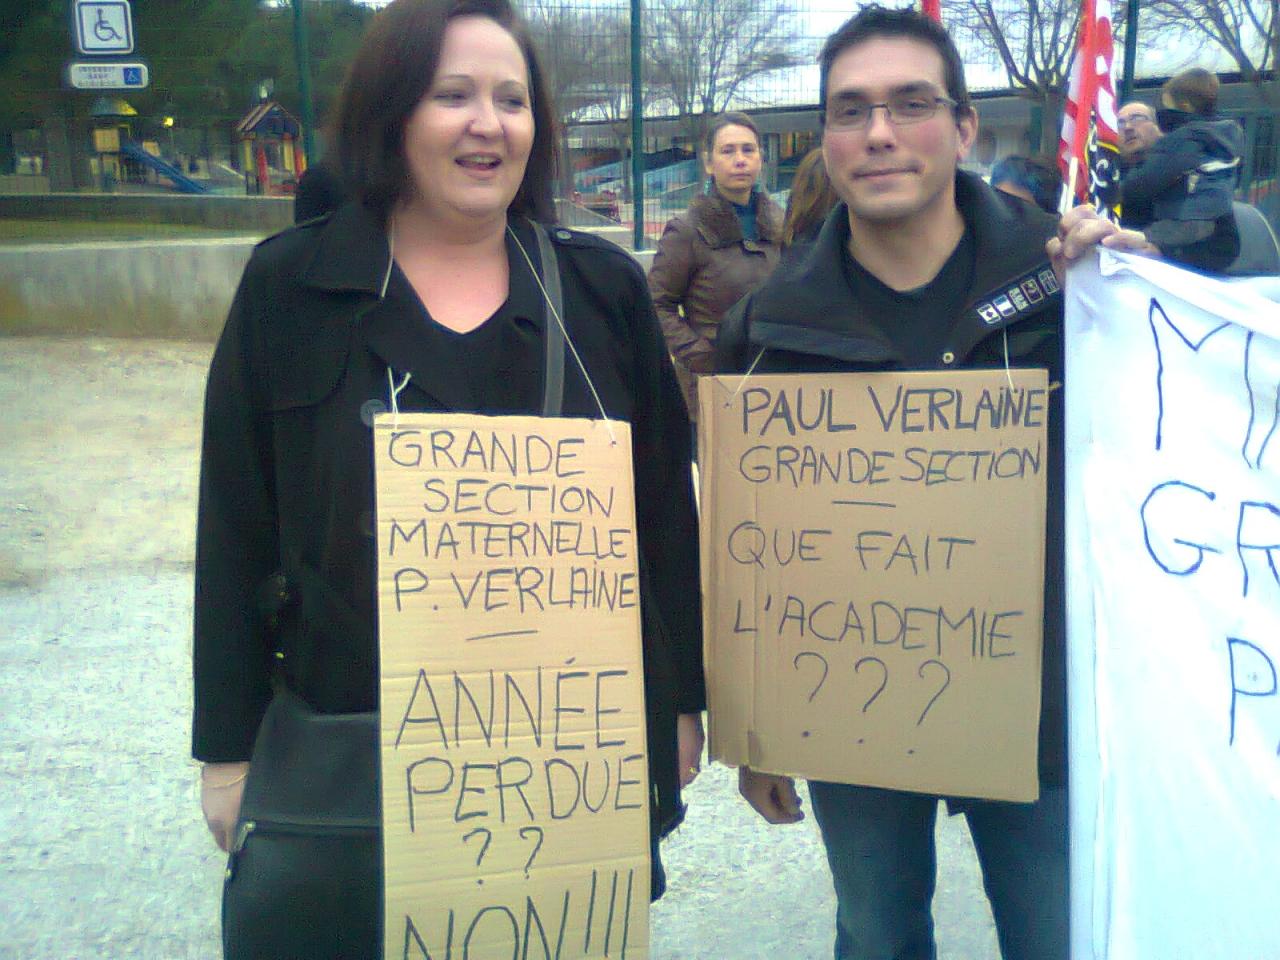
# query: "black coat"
806,318
1190,173
285,555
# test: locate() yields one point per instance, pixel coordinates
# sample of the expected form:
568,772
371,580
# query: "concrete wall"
23,183
173,288
177,288
261,215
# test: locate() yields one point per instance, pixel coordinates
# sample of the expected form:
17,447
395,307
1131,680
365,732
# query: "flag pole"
1067,201
1087,147
1088,78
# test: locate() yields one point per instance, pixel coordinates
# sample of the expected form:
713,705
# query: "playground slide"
662,178
181,182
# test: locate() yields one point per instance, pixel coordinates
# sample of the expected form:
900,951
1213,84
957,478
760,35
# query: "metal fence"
695,57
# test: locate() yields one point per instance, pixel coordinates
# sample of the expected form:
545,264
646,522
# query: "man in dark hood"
1189,176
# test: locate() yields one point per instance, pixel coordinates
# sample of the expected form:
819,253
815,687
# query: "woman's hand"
689,741
1081,229
221,788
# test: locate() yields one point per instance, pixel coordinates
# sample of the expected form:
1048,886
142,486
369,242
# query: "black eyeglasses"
901,110
1134,120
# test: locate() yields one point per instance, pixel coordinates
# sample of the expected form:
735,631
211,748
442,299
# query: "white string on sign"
394,394
745,377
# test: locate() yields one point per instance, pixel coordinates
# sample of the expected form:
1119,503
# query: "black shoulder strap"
553,372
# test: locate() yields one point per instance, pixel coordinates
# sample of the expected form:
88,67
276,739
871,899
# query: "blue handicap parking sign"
133,76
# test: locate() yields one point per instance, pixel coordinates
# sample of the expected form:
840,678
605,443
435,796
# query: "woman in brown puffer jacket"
717,251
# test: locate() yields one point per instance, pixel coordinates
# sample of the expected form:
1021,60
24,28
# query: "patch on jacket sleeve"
1024,294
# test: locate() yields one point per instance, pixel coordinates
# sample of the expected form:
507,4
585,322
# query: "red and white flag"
1089,150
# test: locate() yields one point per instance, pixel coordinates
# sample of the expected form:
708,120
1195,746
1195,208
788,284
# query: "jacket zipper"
298,827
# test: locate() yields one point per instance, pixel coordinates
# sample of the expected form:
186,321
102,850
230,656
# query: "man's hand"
772,796
689,741
221,788
1081,229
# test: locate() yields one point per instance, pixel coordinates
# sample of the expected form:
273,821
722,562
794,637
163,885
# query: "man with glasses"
1138,132
906,274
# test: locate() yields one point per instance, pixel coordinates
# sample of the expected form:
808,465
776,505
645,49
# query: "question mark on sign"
884,679
524,831
488,836
825,668
821,680
946,682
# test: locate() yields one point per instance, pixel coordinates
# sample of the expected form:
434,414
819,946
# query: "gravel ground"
104,851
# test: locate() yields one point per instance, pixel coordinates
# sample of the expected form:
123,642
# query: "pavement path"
104,853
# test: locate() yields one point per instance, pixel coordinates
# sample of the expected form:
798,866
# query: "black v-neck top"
918,329
503,357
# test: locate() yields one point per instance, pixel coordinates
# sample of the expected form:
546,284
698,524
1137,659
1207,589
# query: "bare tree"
584,53
704,51
1034,41
578,47
698,54
1249,30
611,97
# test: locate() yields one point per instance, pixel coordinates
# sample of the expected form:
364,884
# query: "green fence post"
1130,51
303,55
637,130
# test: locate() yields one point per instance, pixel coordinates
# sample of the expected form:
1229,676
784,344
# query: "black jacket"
285,555
1190,173
1135,211
807,319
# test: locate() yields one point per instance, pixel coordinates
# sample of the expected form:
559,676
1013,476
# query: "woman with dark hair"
717,251
810,200
446,145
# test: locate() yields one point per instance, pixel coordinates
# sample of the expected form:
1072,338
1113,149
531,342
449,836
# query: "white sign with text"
1173,511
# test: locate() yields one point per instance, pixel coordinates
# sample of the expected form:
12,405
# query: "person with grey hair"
1138,131
1189,175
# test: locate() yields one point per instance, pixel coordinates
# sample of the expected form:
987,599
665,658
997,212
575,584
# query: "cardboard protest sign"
873,557
1173,518
514,776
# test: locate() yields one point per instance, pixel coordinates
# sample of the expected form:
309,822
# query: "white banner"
1173,512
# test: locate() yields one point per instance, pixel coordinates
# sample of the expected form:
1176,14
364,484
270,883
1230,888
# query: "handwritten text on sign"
873,576
1173,507
514,778
1193,516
